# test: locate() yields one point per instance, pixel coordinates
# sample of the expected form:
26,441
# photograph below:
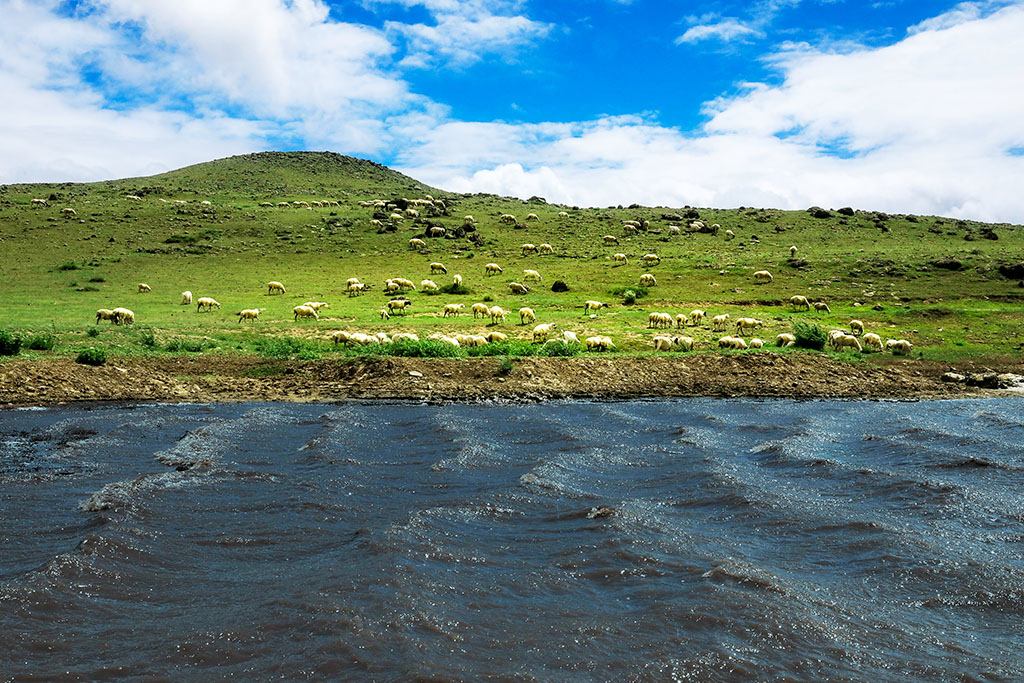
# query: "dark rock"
845,211
818,212
911,218
1013,271
989,234
991,380
602,511
559,286
948,263
469,227
692,214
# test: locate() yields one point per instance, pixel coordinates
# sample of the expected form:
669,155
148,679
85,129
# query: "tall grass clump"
630,295
288,347
809,335
10,344
92,356
41,342
424,348
516,348
455,289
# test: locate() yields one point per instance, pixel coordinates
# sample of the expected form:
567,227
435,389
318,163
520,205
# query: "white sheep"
429,286
857,327
317,305
589,306
610,239
144,288
206,302
497,313
747,324
532,217
457,280
186,298
799,300
620,258
417,243
493,337
68,211
681,320
570,337
599,343
899,346
40,202
530,249
452,310
507,218
481,309
658,320
526,315
404,337
351,281
340,337
469,219
563,214
275,287
518,288
785,339
545,248
697,315
541,332
844,340
104,314
437,231
305,312
685,343
651,259
763,277
404,283
756,343
385,314
648,280
872,340
822,306
252,314
437,267
729,234
719,322
531,275
663,343
674,230
396,305
731,342
492,269
356,288
792,252
123,316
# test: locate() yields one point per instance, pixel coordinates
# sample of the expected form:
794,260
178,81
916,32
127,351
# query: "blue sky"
891,105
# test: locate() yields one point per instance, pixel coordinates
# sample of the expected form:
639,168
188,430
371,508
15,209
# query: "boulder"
818,212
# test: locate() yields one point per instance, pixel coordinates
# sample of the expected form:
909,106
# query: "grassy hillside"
935,281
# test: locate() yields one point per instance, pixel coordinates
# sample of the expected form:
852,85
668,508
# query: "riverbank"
213,377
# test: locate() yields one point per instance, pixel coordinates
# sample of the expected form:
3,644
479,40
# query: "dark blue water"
644,540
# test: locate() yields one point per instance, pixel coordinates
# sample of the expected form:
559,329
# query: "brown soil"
249,378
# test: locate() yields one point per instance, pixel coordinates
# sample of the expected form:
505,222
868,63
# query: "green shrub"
560,350
425,348
68,265
41,342
93,332
505,365
487,298
455,289
187,345
147,338
809,335
288,347
10,344
92,356
512,347
630,295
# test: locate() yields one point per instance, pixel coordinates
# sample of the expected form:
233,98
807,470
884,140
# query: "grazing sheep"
396,305
600,343
317,305
589,306
206,302
843,340
857,327
452,309
685,343
696,315
493,337
429,286
531,275
899,347
620,258
763,277
396,218
469,219
340,337
799,300
305,312
391,287
659,320
663,343
747,324
404,337
545,248
449,340
872,340
68,211
104,314
481,309
822,306
541,332
186,298
274,287
719,322
530,249
651,259
39,202
729,234
507,218
385,314
648,280
532,217
475,340
404,283
492,269
252,314
570,337
526,315
437,231
417,243
436,267
376,223
497,313
674,230
785,339
123,316
630,230
610,239
792,252
356,288
563,214
518,288
351,281
756,343
681,320
144,288
731,342
412,213
457,280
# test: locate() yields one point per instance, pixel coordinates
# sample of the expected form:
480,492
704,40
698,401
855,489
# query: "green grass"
231,249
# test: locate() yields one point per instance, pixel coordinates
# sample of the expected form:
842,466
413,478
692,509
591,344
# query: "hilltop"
952,287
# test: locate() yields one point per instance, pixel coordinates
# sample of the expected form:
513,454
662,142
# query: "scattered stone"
559,286
845,211
602,511
415,373
953,377
948,263
818,212
1013,271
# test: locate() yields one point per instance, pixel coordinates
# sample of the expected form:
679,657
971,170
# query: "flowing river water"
701,539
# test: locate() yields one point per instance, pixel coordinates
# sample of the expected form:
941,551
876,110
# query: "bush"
41,342
487,298
425,348
92,356
512,347
505,365
809,335
455,289
10,344
147,338
93,332
187,345
630,295
68,265
288,347
560,350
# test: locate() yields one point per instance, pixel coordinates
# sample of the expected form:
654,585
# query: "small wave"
746,574
126,495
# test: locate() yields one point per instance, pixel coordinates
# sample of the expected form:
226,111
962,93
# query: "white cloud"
727,29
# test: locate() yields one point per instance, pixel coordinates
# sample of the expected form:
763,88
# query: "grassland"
935,281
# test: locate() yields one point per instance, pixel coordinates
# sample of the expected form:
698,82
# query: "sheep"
729,234
785,339
543,249
475,340
468,219
532,217
104,314
39,202
356,288
531,275
648,280
123,316
663,343
898,347
396,305
530,249
305,312
391,287
763,277
412,213
526,315
492,269
404,337
340,337
417,243
696,315
481,309
541,332
351,281
404,283
206,302
385,314
600,343
799,300
186,298
589,306
720,321
449,340
756,343
493,337
570,337
844,340
68,212
792,252
518,288
376,223
317,305
497,313
263,204
620,258
452,310
610,239
275,287
747,324
563,214
685,343
630,230
856,327
396,217
252,314
437,267
437,231
429,286
659,320
832,336
144,288
872,340
674,230
281,205
681,320
651,259
731,342
507,218
821,306
456,280
207,202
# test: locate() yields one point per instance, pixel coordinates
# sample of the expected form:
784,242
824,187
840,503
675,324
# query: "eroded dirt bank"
245,378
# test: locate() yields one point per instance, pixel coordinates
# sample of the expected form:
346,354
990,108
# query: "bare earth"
249,378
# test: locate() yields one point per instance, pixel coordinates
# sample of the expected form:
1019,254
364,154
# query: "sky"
894,105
